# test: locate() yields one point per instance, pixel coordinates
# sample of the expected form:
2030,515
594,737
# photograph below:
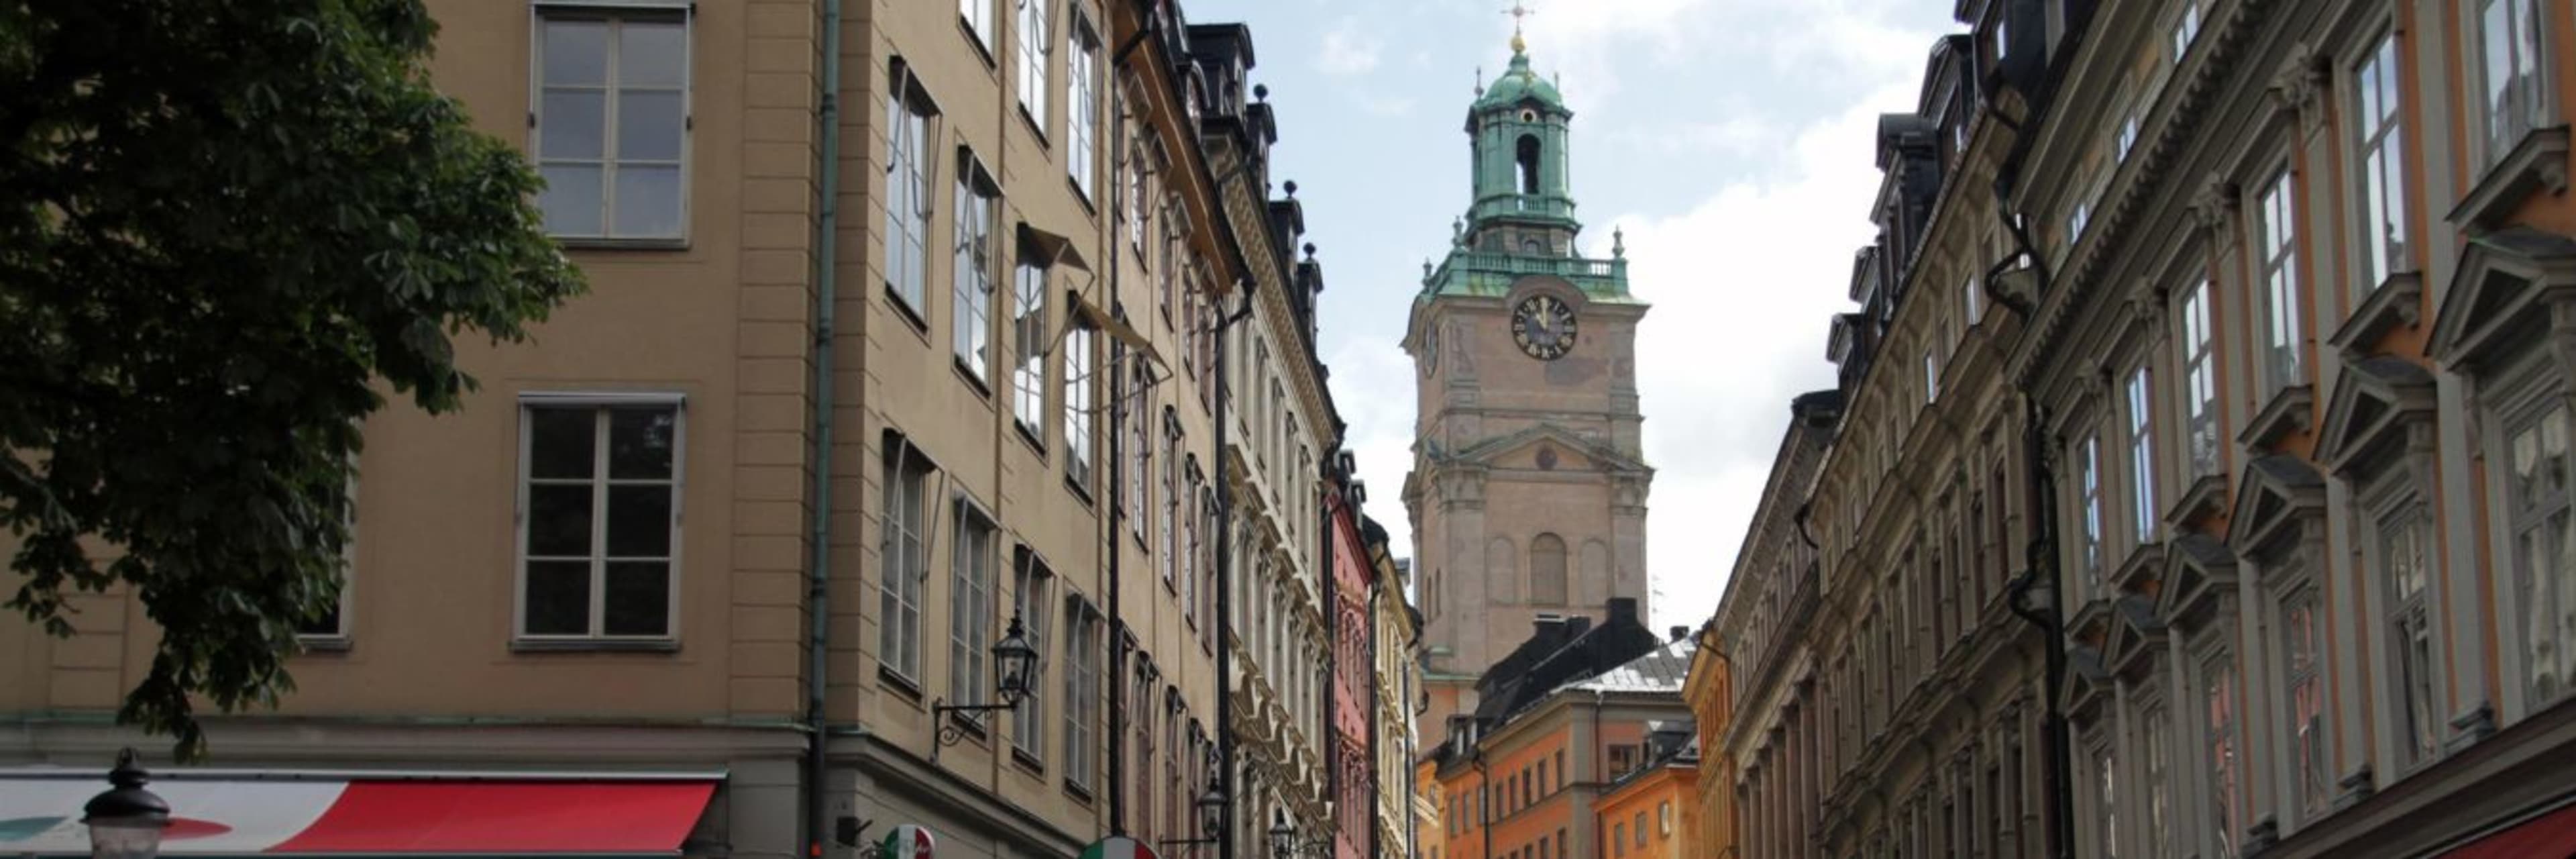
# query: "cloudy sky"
1730,139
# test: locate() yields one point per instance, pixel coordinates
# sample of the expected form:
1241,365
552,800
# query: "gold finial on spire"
1518,12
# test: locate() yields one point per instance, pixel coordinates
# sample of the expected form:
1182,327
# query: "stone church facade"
1528,490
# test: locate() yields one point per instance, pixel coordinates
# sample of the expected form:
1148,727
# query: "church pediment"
1545,447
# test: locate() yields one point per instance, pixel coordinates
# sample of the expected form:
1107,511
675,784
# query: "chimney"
1681,633
1577,625
1622,609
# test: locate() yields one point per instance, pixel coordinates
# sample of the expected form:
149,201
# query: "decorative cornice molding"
2299,85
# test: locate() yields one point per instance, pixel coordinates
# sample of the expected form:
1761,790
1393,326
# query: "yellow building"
1654,811
1709,689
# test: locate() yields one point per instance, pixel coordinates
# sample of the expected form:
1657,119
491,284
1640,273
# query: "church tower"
1528,490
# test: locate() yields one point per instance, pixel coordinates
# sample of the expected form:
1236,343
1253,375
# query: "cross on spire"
1519,11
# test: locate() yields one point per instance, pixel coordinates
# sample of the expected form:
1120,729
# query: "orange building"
1653,811
1710,689
1562,724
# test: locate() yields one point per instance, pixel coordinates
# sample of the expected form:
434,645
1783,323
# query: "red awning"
2549,836
506,817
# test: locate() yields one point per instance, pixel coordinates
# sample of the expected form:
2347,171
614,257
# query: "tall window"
974,267
2106,799
2278,231
2088,482
1171,554
2200,383
1931,375
1547,570
2544,536
1082,117
1030,606
2151,744
1036,45
1028,349
2307,701
1078,378
977,15
2186,29
2510,58
908,191
970,603
601,502
1081,692
2142,455
2383,164
906,560
1972,296
2404,546
2218,702
1190,556
1140,449
611,124
1528,151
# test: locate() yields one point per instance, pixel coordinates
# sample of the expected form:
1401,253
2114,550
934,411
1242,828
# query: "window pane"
652,53
559,521
559,443
572,200
648,201
576,52
648,126
639,521
639,598
558,598
571,122
639,443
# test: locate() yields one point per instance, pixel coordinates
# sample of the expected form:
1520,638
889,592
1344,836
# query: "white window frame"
2204,445
2155,728
1029,342
977,17
617,16
2529,50
2280,361
335,636
1032,606
972,604
912,123
1082,694
599,404
1081,394
1036,48
2379,147
1140,458
900,600
2186,30
2533,401
2088,501
2301,740
2221,738
2141,408
972,261
1082,89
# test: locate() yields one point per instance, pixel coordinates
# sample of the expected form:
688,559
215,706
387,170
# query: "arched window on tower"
1547,570
1529,163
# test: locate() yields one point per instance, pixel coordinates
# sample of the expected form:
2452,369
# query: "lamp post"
1211,808
125,821
1015,661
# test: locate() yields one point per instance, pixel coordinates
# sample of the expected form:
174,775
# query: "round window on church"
1528,115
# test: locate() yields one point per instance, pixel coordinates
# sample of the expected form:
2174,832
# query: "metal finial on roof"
1480,81
1618,242
1518,12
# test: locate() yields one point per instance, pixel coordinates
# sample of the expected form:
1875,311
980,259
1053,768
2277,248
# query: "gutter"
826,316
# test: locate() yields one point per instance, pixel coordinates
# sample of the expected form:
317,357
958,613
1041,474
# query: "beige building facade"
903,337
2193,491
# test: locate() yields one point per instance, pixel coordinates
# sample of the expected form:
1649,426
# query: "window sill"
594,645
973,381
612,243
1035,126
976,40
2538,162
1082,195
1028,763
903,308
971,728
1029,436
1078,792
903,686
1081,490
335,643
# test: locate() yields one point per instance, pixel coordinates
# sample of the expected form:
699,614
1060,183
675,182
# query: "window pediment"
2200,576
2088,686
2502,277
2137,637
2373,403
2144,566
2274,496
2395,303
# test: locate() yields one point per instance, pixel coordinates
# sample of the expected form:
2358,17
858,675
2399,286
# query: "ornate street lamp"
1287,843
1016,662
1211,808
125,822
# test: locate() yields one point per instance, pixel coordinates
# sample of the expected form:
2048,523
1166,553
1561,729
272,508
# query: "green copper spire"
1521,220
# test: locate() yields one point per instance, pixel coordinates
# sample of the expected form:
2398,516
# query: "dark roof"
1561,651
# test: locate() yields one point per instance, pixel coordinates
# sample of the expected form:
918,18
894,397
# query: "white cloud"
1347,52
1384,105
1744,286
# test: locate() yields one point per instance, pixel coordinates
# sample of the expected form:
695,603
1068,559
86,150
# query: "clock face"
1544,327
